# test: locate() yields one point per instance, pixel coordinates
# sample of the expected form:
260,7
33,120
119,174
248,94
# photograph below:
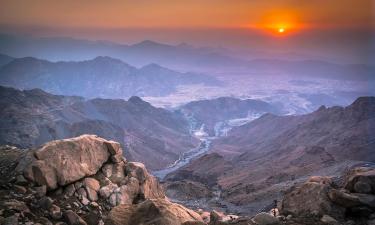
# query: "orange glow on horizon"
114,14
280,28
280,22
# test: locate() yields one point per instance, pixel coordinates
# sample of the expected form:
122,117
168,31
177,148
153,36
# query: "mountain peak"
185,46
149,43
152,66
364,100
135,99
364,103
106,59
321,108
30,59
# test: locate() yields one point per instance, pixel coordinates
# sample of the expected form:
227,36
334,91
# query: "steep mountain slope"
100,77
30,118
149,131
25,115
224,109
277,149
205,169
271,153
331,128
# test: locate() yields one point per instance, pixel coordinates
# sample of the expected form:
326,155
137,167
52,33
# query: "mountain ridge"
270,154
32,117
99,77
207,60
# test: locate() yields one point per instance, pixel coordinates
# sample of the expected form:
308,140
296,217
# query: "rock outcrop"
311,198
361,180
321,198
77,180
61,162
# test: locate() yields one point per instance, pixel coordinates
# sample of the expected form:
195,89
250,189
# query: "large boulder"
311,199
348,200
151,211
58,163
361,180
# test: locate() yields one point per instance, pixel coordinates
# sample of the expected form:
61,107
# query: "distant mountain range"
100,77
262,158
140,54
151,135
313,69
182,57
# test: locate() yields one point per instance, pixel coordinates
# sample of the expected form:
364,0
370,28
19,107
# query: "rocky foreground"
86,180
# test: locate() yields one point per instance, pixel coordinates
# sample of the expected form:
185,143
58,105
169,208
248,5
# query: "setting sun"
280,22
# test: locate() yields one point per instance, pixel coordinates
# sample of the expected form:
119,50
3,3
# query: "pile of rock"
353,202
72,181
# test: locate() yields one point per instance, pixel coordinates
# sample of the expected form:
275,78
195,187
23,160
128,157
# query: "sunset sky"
185,14
236,23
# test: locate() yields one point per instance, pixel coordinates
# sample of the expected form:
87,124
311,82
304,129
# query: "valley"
218,141
187,112
207,124
33,117
220,179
